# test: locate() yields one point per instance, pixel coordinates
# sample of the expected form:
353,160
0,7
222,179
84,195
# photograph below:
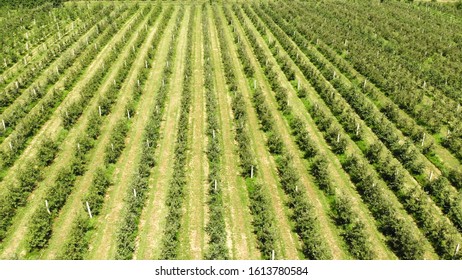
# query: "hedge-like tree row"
27,179
40,114
54,54
263,219
358,244
175,196
76,246
127,232
40,229
33,93
405,152
215,228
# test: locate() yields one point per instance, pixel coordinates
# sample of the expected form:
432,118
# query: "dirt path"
290,244
153,216
240,238
103,245
192,233
63,224
15,243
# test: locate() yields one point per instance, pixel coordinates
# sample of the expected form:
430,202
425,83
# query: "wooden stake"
48,208
89,210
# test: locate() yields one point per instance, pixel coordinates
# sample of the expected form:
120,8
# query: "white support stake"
251,171
365,82
298,84
146,64
48,208
213,133
138,82
134,192
3,123
89,210
128,114
296,188
357,129
215,185
272,255
17,84
99,109
254,84
112,147
11,146
456,250
423,139
431,176
338,137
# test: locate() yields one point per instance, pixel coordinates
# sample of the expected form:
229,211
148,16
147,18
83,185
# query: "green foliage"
39,230
77,244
